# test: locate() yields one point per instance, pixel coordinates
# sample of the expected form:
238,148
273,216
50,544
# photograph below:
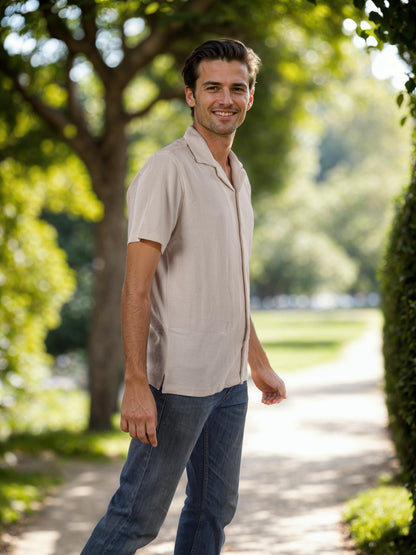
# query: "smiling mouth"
224,114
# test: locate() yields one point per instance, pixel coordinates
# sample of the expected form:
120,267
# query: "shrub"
379,520
398,289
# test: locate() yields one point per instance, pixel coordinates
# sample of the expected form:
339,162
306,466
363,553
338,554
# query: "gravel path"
302,460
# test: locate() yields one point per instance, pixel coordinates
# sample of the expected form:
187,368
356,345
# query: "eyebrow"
217,83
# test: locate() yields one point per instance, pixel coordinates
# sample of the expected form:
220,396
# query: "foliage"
77,56
298,62
325,231
35,279
393,22
49,410
379,520
399,348
76,237
92,69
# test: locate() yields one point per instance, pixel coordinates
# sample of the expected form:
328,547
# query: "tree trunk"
105,352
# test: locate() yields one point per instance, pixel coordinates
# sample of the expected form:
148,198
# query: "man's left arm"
263,375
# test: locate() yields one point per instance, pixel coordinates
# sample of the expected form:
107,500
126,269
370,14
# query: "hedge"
398,292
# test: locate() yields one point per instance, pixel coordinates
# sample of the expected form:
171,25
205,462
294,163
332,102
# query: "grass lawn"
295,340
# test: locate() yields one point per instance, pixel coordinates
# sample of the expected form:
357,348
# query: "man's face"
222,97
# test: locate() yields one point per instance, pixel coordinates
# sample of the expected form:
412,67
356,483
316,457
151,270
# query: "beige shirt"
182,199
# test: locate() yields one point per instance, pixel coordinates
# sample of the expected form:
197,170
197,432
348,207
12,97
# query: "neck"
219,145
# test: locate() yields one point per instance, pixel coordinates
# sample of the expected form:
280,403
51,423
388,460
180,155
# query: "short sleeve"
153,200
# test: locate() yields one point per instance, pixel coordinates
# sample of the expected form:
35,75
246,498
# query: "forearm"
135,321
257,357
138,408
263,375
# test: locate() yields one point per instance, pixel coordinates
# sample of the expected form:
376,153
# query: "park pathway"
302,460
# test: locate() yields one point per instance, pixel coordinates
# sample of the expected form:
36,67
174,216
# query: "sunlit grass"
295,340
21,492
64,443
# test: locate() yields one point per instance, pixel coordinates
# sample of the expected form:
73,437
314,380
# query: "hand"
272,386
139,413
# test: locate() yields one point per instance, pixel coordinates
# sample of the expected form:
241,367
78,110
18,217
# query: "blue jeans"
203,434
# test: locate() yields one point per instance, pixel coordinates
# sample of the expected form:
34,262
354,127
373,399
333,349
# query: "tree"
48,48
93,35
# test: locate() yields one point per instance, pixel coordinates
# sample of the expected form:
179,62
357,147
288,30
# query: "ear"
189,95
251,99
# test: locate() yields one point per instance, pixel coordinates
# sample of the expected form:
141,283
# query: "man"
187,330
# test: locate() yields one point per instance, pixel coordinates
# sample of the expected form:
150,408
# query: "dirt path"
302,460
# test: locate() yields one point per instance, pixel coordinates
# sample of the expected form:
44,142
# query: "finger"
151,437
272,398
150,425
142,434
124,425
267,399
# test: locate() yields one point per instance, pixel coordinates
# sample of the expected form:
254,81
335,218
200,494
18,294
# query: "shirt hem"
195,392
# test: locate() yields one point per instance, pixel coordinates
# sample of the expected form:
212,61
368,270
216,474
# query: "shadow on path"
301,461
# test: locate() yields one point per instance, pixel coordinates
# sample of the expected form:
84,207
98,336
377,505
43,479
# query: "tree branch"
163,95
156,43
86,45
52,116
69,129
75,109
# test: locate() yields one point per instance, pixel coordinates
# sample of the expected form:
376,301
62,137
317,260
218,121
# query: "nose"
226,96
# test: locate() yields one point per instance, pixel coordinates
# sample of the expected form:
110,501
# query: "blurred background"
89,90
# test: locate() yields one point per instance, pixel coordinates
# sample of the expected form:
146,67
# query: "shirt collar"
203,155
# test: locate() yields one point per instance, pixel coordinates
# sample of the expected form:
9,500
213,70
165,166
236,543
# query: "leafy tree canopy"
93,70
325,231
393,22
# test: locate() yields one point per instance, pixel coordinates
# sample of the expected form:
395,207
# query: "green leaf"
359,4
410,85
375,17
400,98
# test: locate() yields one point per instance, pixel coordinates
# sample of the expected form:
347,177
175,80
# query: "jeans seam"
204,491
126,520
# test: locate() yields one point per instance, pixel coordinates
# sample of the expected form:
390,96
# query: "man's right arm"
138,408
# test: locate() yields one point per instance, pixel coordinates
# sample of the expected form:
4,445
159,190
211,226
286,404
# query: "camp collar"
203,155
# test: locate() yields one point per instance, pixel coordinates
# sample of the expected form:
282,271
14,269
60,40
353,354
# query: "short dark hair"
220,49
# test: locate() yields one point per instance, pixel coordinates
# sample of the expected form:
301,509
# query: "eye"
212,88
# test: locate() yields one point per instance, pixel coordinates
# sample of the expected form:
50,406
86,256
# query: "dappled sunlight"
302,460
